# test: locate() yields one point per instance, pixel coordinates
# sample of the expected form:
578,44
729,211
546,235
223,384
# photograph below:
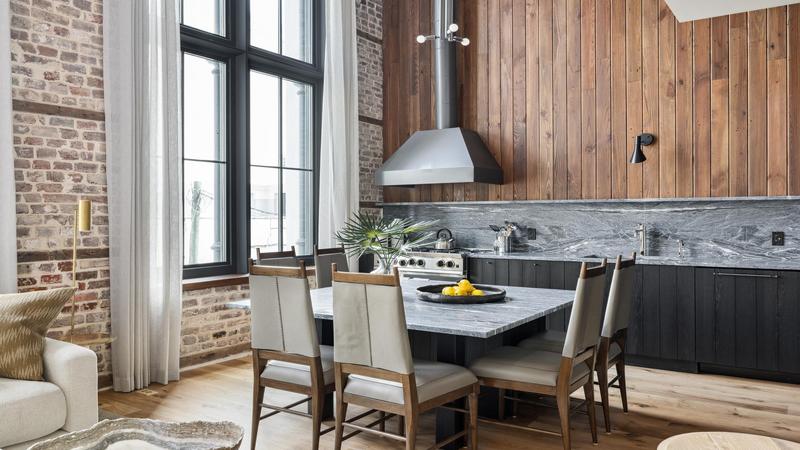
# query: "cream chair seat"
553,341
300,374
520,364
433,379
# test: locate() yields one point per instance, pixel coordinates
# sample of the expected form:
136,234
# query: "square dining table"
459,333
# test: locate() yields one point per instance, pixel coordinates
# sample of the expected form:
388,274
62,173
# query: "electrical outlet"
531,234
778,238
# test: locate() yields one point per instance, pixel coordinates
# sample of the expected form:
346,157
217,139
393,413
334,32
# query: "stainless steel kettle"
444,240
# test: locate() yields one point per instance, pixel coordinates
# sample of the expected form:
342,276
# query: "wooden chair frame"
328,251
287,254
314,393
563,388
410,410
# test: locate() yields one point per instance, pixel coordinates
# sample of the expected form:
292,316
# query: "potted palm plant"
387,239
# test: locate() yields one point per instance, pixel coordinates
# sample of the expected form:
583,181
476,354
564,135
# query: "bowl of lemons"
463,292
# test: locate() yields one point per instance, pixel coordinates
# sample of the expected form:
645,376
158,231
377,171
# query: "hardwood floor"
662,404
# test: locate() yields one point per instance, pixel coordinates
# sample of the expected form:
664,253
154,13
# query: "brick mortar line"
57,110
369,37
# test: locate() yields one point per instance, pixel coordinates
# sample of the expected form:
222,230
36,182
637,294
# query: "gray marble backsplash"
725,232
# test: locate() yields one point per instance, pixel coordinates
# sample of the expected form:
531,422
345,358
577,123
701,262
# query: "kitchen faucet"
641,233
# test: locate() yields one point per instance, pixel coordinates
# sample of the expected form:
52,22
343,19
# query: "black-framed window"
252,88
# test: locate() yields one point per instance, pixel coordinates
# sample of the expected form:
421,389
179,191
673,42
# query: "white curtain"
8,208
339,166
143,128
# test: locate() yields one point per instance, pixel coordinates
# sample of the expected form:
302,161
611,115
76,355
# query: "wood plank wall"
558,89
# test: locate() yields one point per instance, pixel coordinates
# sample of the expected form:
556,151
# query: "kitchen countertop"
736,262
522,305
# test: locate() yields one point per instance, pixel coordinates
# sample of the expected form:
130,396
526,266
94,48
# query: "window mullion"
281,203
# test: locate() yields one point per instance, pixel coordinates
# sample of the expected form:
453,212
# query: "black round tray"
433,293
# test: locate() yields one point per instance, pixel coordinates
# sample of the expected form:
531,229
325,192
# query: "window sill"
195,284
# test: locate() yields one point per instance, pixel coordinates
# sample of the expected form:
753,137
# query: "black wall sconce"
642,139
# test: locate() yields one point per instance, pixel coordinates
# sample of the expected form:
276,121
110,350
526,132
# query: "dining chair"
374,368
553,373
287,258
611,352
323,258
286,351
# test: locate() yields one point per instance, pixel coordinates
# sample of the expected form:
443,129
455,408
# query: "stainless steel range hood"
448,154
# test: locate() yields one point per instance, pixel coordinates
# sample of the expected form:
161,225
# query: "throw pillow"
24,320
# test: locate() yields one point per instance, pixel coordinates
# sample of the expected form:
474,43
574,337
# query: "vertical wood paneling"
520,188
633,58
588,89
558,89
719,107
757,103
777,85
574,163
603,99
666,101
560,168
794,98
684,112
546,155
619,130
651,95
738,105
702,108
532,97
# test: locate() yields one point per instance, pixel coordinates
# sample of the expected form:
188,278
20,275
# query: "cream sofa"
31,411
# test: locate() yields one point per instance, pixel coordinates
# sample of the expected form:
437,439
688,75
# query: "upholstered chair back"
620,297
323,258
369,322
583,330
282,318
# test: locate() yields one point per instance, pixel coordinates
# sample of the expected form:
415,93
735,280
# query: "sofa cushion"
29,410
24,320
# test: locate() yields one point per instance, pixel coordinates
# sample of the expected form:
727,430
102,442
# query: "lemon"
477,292
461,292
465,286
449,290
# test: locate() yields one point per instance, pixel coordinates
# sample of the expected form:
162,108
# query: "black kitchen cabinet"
749,320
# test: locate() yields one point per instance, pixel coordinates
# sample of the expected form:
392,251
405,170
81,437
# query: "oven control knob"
450,264
440,263
403,263
411,261
420,262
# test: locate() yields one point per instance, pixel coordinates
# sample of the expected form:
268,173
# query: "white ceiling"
685,10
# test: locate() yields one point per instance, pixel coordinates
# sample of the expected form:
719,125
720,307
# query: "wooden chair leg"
411,428
588,391
562,399
341,416
501,404
258,398
317,408
623,390
602,379
473,419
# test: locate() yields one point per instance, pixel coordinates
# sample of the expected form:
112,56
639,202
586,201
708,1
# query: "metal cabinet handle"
744,275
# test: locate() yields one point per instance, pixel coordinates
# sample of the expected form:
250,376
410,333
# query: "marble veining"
715,233
522,305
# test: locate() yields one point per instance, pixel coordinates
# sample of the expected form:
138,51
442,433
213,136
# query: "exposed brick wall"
210,329
370,96
59,148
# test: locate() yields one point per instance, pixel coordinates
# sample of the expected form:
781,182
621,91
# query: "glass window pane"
298,220
206,15
296,20
203,108
204,212
265,135
297,124
264,209
265,24
283,27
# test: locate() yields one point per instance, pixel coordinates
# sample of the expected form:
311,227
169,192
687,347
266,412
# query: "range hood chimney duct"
448,154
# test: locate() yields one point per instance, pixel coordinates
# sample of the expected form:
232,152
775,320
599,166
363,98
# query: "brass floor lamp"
83,222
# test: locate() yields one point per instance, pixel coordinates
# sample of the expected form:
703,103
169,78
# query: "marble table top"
522,305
